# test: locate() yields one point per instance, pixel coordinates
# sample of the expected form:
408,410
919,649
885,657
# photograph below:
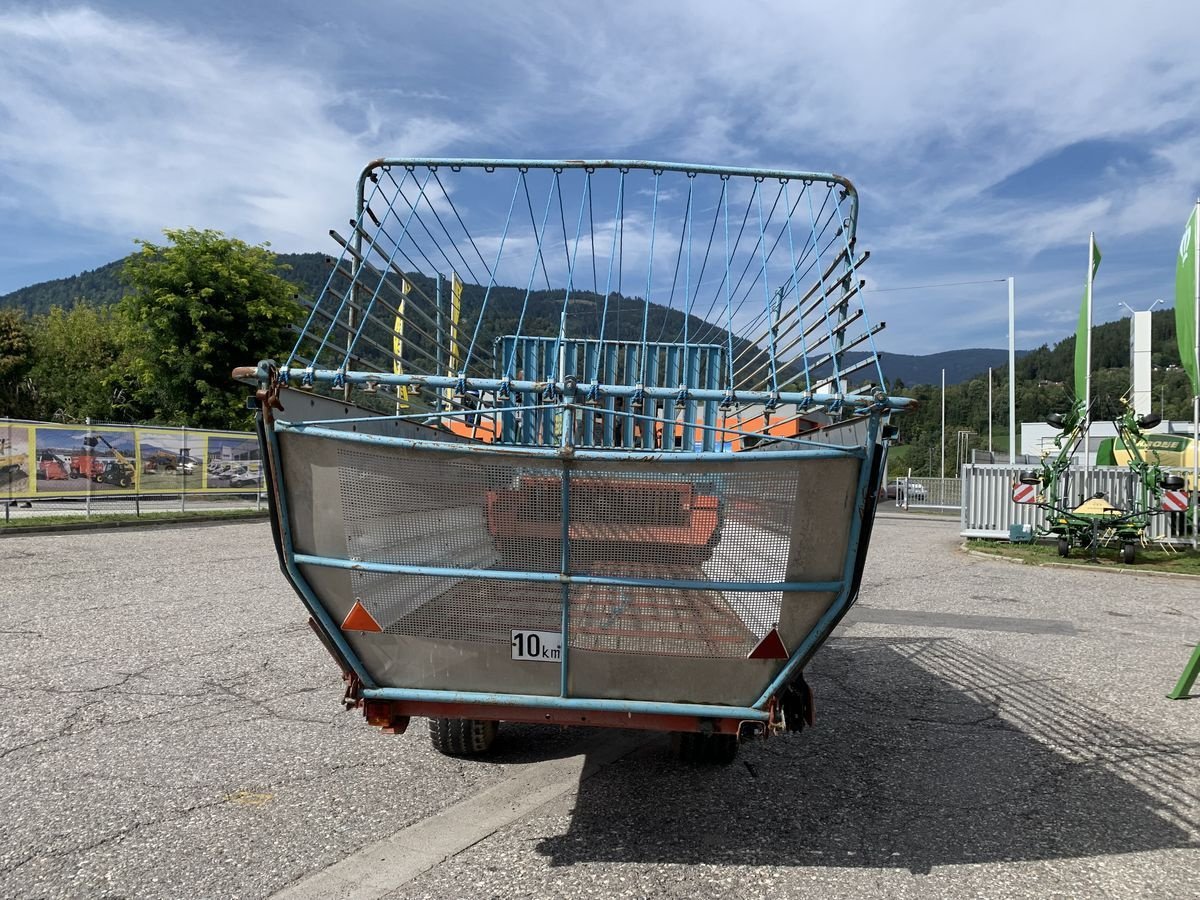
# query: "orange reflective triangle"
770,647
358,619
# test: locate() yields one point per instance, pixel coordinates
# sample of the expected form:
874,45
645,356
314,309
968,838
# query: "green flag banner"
1083,332
1185,300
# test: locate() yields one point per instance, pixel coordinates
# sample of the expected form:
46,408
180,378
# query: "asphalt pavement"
169,726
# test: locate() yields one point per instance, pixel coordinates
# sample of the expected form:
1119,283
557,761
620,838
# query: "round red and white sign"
1024,493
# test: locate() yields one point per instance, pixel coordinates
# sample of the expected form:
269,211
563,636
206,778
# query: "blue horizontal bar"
541,701
583,388
331,562
568,453
790,174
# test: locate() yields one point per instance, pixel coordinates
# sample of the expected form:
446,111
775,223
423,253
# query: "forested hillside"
309,272
1044,375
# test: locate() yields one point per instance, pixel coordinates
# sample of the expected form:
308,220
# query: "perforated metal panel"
432,509
633,520
459,609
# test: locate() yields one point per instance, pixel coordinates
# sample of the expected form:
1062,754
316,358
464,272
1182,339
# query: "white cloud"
127,126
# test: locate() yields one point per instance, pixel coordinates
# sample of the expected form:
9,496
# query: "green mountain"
310,271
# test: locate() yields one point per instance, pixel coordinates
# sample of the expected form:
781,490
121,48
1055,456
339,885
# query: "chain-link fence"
96,469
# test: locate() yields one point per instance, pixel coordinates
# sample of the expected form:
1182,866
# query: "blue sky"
985,139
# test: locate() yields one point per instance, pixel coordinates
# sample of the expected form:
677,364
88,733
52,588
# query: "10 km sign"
544,646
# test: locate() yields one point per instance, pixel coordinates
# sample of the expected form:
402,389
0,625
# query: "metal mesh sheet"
731,525
631,520
657,620
667,621
453,609
433,510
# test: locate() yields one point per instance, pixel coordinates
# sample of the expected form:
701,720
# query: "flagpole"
990,413
1087,376
1012,374
1196,370
943,470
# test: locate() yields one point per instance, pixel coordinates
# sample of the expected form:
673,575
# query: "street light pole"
1012,373
943,475
989,411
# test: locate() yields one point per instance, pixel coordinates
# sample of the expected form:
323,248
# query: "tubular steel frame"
634,710
568,395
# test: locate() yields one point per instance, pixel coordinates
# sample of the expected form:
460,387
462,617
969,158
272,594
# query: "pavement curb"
1122,570
149,523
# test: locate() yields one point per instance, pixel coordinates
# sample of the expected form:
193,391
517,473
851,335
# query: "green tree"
79,365
198,307
16,357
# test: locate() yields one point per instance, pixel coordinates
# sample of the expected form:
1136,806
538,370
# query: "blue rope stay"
512,357
379,287
762,241
358,223
649,276
728,306
795,283
612,255
562,321
837,374
862,306
466,362
687,276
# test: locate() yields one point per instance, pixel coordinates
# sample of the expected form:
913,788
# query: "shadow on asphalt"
925,753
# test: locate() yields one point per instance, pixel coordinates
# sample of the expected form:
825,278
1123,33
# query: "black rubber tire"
1064,547
697,749
462,737
1128,552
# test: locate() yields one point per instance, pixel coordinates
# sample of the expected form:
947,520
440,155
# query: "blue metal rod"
641,456
333,562
307,595
565,567
541,701
824,625
615,390
790,174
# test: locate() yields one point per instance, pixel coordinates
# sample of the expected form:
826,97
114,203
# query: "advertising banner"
44,461
15,447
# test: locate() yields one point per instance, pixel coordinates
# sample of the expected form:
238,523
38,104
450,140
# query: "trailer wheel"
1127,553
462,737
1064,547
697,749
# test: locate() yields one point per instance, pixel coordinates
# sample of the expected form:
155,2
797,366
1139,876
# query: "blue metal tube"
309,598
709,393
836,609
333,562
790,174
543,453
541,701
564,562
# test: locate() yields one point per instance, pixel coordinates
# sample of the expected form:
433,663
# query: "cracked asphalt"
169,725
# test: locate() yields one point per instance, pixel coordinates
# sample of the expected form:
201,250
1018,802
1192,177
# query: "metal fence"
988,509
94,469
926,493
